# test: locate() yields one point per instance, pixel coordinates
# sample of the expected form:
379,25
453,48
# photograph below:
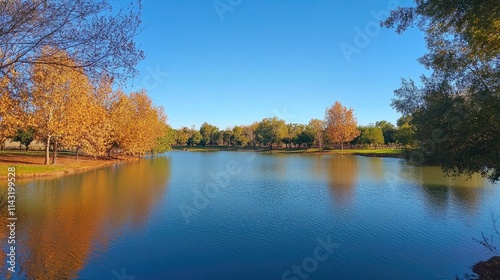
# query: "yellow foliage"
341,124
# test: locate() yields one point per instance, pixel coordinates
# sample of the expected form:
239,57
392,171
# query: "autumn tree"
137,124
341,124
58,100
13,104
96,136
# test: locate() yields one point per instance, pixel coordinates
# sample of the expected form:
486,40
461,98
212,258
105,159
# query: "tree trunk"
342,146
54,153
77,151
47,150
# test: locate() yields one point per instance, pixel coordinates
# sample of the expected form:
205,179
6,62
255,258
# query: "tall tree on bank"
341,124
58,99
456,112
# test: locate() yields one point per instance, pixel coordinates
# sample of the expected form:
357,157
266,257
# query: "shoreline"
30,166
388,153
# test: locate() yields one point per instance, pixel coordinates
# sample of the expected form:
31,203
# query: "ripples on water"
390,220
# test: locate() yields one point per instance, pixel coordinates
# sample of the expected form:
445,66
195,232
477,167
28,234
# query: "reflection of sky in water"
391,217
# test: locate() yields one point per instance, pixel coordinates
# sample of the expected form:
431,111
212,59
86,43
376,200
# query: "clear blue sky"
265,58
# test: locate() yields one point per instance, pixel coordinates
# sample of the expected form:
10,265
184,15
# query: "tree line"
63,108
339,127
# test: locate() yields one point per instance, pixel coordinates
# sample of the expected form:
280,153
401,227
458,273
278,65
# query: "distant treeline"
338,128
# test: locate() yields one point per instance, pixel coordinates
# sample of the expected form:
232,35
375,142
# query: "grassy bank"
30,163
363,152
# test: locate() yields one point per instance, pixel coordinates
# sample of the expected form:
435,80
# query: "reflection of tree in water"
376,168
342,172
275,164
440,190
318,165
70,217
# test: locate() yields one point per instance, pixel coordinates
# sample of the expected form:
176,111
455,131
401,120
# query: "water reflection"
377,167
342,173
69,218
441,191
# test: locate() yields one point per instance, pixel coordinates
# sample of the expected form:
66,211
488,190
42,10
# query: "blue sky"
232,62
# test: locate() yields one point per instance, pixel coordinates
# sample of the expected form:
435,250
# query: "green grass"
30,163
30,169
33,153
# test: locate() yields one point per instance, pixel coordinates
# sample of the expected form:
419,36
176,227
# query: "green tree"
227,136
316,128
165,141
271,131
293,131
388,130
25,137
195,138
239,136
209,134
455,113
404,134
371,135
306,138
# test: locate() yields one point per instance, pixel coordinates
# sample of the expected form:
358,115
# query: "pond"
244,215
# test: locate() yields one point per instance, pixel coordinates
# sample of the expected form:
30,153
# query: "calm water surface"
231,215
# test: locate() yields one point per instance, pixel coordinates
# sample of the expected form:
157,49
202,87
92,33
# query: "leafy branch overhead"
455,113
97,35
